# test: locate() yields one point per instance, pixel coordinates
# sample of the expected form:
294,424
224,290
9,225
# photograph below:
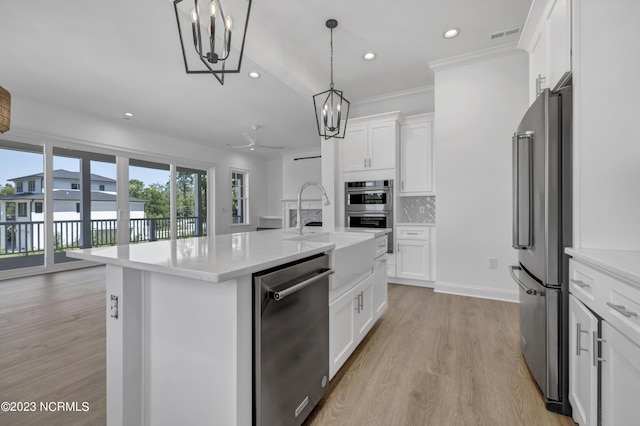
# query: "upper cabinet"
547,38
370,143
416,155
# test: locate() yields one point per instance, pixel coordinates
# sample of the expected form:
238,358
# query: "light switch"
493,263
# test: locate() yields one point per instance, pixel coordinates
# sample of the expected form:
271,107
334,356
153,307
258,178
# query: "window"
19,187
100,187
239,198
32,186
75,186
11,210
38,207
77,207
22,209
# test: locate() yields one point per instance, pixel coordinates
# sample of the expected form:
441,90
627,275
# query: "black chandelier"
214,55
332,109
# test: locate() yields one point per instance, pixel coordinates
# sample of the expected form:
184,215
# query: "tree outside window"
239,197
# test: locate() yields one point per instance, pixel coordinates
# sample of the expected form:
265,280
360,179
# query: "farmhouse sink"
352,256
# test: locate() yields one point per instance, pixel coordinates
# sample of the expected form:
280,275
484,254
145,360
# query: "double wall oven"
369,204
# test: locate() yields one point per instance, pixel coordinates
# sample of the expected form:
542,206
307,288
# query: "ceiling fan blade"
271,146
249,139
241,146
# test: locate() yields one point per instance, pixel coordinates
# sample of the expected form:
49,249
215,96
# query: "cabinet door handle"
622,310
412,233
579,331
361,301
357,308
580,283
597,339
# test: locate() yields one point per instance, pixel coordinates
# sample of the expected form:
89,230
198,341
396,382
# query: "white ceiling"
108,57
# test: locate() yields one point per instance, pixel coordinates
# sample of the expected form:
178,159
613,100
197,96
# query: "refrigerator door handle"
523,286
522,240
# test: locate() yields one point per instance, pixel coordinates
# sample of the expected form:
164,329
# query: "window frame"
19,187
31,185
101,187
245,199
21,209
35,207
75,185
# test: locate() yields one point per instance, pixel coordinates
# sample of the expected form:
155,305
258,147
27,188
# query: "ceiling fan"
253,141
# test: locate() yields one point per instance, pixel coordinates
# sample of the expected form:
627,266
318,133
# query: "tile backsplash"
417,209
308,215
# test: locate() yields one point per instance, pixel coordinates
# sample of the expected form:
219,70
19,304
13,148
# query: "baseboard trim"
415,283
477,291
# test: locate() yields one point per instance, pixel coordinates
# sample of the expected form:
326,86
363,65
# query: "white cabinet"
416,155
370,143
558,29
620,378
547,38
380,290
602,299
413,257
351,316
583,368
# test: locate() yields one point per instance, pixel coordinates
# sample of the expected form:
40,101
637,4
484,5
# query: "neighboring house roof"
66,174
68,195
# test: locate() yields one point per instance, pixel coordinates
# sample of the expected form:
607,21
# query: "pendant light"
205,35
5,110
332,109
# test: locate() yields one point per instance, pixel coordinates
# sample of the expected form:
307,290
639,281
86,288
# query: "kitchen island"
179,323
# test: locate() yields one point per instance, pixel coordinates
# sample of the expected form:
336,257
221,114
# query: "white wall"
409,102
35,123
297,172
606,145
478,106
274,190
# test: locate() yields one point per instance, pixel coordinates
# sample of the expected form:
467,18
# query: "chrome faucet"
325,201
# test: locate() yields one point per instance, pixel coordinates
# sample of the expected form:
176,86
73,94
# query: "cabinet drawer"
412,233
623,308
380,246
582,282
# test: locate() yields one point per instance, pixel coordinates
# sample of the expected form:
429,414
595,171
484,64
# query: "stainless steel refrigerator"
541,230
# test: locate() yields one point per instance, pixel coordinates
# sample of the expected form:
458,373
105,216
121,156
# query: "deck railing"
24,238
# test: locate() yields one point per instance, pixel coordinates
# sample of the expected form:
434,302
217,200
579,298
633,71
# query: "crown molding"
393,95
475,57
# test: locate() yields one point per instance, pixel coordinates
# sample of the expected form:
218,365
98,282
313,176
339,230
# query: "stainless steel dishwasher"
290,340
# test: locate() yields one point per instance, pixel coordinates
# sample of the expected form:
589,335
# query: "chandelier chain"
331,58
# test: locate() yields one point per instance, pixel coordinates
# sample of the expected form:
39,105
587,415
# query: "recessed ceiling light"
252,149
128,115
369,56
254,74
453,32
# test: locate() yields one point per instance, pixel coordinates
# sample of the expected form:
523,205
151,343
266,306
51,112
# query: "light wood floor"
432,359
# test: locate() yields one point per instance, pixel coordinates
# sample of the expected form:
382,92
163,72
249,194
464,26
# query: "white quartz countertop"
214,258
624,263
377,232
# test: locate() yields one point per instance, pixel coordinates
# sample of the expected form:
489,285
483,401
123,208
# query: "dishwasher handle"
279,295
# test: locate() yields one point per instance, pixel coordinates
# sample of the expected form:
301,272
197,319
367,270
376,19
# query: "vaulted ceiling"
105,58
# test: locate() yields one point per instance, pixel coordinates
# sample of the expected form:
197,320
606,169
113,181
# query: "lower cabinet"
620,378
351,316
412,259
604,348
583,363
380,285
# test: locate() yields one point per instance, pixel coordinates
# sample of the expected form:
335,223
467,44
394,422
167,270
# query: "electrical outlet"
493,263
421,209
